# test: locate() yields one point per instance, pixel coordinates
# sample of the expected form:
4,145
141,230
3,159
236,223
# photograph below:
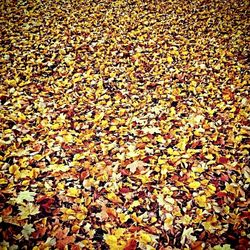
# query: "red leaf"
75,247
223,160
245,214
147,159
168,136
243,243
46,203
125,172
125,190
224,177
131,245
220,141
195,144
84,175
151,137
133,229
221,194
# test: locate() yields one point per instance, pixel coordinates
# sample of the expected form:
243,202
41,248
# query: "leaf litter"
124,125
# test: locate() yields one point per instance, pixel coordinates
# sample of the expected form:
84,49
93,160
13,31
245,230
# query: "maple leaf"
27,210
24,196
137,110
201,200
223,247
136,165
27,231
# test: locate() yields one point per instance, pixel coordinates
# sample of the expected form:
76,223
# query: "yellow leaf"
98,117
81,216
198,169
75,228
170,151
73,192
166,168
68,138
161,161
69,211
169,59
231,189
3,181
135,203
111,240
182,144
168,222
113,128
114,198
119,232
77,79
141,38
60,186
201,200
136,218
194,184
78,157
186,219
123,217
209,157
146,238
197,132
25,182
160,139
56,126
193,83
38,157
27,210
153,219
211,188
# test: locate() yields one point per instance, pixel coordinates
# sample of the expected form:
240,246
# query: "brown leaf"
61,243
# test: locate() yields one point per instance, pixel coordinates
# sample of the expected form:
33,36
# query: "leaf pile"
124,124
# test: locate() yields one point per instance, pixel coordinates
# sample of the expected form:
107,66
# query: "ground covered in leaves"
124,124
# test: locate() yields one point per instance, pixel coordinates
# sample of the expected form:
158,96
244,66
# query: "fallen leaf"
27,231
194,185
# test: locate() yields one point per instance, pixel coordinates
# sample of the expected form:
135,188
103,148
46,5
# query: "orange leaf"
133,229
7,211
40,232
131,245
197,245
111,212
64,242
